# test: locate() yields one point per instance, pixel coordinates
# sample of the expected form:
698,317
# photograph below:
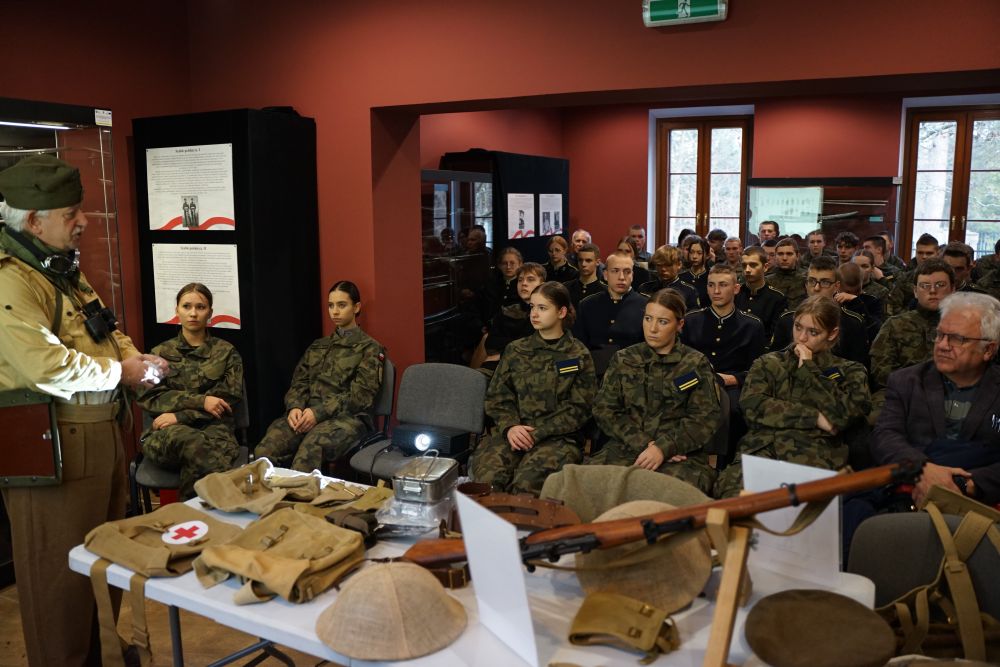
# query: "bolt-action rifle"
582,538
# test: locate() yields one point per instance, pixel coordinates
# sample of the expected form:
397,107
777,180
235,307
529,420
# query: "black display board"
276,238
518,173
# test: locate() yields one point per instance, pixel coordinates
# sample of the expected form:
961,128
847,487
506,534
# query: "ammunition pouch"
626,623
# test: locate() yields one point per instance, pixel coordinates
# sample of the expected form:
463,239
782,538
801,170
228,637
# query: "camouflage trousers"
513,471
192,451
304,451
730,481
695,470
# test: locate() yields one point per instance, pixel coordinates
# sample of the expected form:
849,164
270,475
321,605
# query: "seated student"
657,403
332,390
870,275
900,297
822,280
770,248
539,399
558,267
878,247
511,322
666,262
798,402
193,406
960,257
640,272
612,318
847,243
756,296
696,250
501,288
588,257
816,244
786,276
850,297
716,246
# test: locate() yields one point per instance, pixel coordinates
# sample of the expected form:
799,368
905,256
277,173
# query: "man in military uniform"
959,257
757,296
851,297
588,282
787,277
852,343
900,295
768,231
816,244
734,250
891,258
637,237
667,263
50,344
872,276
908,338
501,289
716,243
877,246
846,243
612,318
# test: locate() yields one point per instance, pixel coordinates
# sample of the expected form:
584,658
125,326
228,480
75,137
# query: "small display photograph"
520,215
550,207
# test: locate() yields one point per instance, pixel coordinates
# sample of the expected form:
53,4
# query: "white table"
554,596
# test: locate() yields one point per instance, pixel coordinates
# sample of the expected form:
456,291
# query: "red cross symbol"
188,532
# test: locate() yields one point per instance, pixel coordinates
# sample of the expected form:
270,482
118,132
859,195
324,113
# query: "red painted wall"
829,137
130,57
344,63
529,131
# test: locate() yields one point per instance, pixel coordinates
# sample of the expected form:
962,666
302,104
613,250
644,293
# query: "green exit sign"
677,12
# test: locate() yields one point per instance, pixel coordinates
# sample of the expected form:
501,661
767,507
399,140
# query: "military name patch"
687,382
833,373
182,533
568,366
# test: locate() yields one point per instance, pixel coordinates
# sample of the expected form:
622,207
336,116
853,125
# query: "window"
701,175
952,177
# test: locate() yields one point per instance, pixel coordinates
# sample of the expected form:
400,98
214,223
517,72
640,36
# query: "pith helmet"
391,611
667,575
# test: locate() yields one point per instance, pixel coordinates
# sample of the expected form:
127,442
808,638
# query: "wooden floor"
204,640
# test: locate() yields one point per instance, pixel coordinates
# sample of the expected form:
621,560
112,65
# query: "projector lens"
422,442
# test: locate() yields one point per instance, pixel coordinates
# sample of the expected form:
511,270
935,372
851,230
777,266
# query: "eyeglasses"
939,285
956,340
825,283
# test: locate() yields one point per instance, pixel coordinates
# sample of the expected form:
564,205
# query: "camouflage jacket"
214,368
900,294
903,340
877,289
338,375
547,386
791,283
781,400
668,399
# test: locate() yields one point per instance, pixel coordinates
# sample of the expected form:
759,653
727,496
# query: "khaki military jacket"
32,356
781,402
667,399
338,375
213,368
904,340
547,386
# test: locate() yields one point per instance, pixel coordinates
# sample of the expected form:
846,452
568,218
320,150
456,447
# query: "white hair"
17,218
987,307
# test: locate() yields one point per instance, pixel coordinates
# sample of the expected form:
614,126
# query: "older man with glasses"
907,339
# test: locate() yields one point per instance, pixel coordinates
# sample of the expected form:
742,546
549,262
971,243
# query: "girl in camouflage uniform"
658,403
193,406
333,387
798,401
539,399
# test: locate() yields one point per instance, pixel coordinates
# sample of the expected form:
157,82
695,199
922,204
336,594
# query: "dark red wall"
347,63
529,131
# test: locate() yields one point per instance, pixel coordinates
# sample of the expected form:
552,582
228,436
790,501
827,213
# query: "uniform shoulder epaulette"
851,313
686,284
746,313
589,297
701,310
773,288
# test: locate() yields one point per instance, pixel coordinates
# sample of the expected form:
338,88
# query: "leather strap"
111,643
452,577
140,629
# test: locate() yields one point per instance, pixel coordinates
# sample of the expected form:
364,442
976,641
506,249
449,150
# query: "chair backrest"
382,407
443,395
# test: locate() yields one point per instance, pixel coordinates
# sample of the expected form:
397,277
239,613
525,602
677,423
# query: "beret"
41,183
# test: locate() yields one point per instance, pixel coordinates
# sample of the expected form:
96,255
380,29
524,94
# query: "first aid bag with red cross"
163,543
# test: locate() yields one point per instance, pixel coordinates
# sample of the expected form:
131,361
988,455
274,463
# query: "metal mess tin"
426,479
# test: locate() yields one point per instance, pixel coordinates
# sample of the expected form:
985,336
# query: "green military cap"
811,628
41,183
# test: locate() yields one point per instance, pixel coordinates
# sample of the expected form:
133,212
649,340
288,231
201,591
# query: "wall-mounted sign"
656,13
191,188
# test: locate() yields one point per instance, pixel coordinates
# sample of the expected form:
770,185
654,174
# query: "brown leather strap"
452,577
526,511
111,644
140,629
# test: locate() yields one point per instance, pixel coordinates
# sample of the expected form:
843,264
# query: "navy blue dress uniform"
852,343
766,303
685,289
731,342
871,312
563,274
497,293
578,290
700,283
603,321
508,325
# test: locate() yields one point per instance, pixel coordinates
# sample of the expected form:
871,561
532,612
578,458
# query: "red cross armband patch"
183,533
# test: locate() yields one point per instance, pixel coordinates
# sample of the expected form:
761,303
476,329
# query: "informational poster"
550,212
176,265
520,215
190,188
796,210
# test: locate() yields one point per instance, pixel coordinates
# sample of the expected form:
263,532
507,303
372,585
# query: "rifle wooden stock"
439,552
